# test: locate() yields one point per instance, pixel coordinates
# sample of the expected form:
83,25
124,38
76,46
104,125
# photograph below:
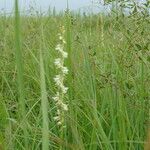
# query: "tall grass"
20,75
108,81
44,107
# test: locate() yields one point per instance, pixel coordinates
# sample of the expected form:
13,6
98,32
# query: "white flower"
65,70
57,80
64,41
58,63
58,112
64,89
59,123
60,37
64,54
59,47
65,107
56,98
57,118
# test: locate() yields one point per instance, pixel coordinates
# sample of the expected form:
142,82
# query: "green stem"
19,63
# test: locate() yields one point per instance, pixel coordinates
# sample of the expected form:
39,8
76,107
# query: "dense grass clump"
108,80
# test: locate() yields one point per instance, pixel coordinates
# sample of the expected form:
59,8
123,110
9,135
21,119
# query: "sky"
43,5
8,5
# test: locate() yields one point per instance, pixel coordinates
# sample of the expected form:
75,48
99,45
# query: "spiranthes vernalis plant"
59,79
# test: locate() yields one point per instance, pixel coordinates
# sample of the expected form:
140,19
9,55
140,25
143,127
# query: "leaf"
138,46
128,31
3,114
148,58
129,85
146,47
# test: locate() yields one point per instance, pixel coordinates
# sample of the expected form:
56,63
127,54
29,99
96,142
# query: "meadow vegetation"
108,81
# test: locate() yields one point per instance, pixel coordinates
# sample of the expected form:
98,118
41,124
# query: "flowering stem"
59,79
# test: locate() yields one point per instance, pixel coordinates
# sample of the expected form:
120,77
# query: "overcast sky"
7,5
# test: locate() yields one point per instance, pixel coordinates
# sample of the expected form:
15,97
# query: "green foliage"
129,5
3,115
109,59
3,121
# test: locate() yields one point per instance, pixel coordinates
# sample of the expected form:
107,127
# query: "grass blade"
20,79
45,131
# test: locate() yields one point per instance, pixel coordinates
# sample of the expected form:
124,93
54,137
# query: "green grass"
109,78
20,76
44,105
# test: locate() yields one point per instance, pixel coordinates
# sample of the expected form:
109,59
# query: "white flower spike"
62,108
